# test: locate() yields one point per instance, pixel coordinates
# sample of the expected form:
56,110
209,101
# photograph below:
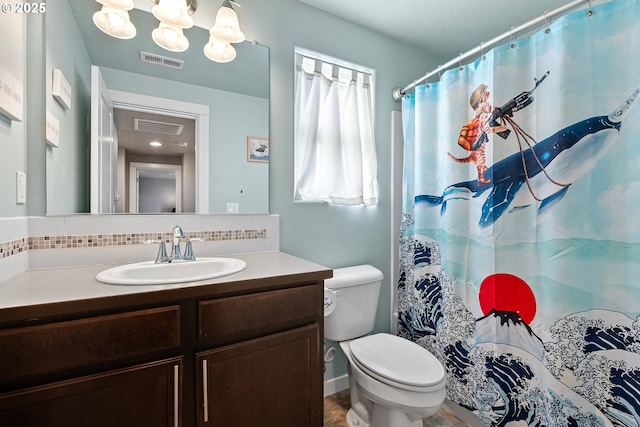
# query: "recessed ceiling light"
155,144
182,143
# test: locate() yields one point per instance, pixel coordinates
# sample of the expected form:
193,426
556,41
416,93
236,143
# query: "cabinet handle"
205,391
176,395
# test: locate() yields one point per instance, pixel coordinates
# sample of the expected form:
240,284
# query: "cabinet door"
275,381
143,395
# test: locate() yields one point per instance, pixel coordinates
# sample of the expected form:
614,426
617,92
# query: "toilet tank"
356,302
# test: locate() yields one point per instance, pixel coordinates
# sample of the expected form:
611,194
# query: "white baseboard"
335,385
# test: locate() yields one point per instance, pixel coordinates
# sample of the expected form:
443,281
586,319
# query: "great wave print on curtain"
520,240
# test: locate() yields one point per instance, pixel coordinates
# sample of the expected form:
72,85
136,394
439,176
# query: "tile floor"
337,405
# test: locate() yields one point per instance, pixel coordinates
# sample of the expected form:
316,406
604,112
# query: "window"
334,145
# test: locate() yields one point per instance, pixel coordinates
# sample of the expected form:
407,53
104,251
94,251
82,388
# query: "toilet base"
353,420
382,416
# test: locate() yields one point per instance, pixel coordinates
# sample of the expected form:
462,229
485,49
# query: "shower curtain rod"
397,92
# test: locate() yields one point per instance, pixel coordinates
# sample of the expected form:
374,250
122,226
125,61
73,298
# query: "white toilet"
393,382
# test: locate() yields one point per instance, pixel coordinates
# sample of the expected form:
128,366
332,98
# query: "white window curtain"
335,157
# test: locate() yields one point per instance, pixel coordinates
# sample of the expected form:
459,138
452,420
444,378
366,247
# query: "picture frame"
257,149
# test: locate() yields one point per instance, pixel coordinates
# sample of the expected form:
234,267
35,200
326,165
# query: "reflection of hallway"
337,405
155,153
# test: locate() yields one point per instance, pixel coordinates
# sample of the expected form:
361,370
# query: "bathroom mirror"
219,109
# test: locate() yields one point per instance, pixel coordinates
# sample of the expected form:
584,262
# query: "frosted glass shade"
173,12
118,4
114,22
227,27
170,38
219,51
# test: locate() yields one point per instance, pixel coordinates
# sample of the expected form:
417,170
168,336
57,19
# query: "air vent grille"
144,125
152,58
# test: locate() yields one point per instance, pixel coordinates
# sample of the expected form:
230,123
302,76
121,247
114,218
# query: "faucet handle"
188,251
162,250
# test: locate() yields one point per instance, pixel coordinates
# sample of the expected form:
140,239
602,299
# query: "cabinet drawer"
263,312
56,346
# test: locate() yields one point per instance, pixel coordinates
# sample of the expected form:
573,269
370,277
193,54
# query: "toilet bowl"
393,381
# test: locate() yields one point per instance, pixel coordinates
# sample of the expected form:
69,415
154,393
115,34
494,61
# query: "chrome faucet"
176,253
175,248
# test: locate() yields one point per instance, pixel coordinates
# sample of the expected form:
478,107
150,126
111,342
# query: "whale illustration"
540,174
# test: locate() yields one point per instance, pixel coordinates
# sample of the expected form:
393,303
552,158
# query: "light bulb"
114,22
173,12
170,38
219,51
227,27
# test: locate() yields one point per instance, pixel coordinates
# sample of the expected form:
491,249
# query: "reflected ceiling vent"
144,125
152,58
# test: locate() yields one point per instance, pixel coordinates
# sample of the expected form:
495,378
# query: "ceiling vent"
152,58
144,125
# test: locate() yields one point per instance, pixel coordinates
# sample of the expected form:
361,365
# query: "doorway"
155,188
196,181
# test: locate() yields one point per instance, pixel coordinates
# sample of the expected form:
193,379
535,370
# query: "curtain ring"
547,22
460,67
590,12
439,72
513,40
482,51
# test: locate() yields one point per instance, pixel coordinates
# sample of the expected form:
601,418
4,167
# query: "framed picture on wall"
257,149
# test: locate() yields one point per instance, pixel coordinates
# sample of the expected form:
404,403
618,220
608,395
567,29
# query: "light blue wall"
67,167
233,118
330,235
12,133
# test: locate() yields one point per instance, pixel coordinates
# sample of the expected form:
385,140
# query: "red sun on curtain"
506,292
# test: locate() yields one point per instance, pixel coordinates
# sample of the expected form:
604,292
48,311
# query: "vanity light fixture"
155,144
170,38
173,12
227,27
219,51
113,18
174,16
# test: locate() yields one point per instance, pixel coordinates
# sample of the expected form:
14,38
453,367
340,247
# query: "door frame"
173,108
134,183
104,141
169,107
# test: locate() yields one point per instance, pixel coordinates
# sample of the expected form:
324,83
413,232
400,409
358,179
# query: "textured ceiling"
444,28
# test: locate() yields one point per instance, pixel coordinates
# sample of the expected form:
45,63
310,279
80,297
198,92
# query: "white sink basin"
150,273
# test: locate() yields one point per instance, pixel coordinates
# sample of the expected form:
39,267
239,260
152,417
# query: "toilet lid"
391,358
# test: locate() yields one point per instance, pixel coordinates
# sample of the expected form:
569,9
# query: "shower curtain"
520,240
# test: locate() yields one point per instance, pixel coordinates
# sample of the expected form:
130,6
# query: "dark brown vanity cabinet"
142,395
113,379
273,377
232,358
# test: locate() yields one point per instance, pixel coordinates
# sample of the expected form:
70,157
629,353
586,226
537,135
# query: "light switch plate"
233,208
21,188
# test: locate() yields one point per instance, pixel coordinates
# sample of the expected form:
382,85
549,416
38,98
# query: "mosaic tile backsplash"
15,247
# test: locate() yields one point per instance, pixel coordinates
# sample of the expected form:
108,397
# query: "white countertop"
56,285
